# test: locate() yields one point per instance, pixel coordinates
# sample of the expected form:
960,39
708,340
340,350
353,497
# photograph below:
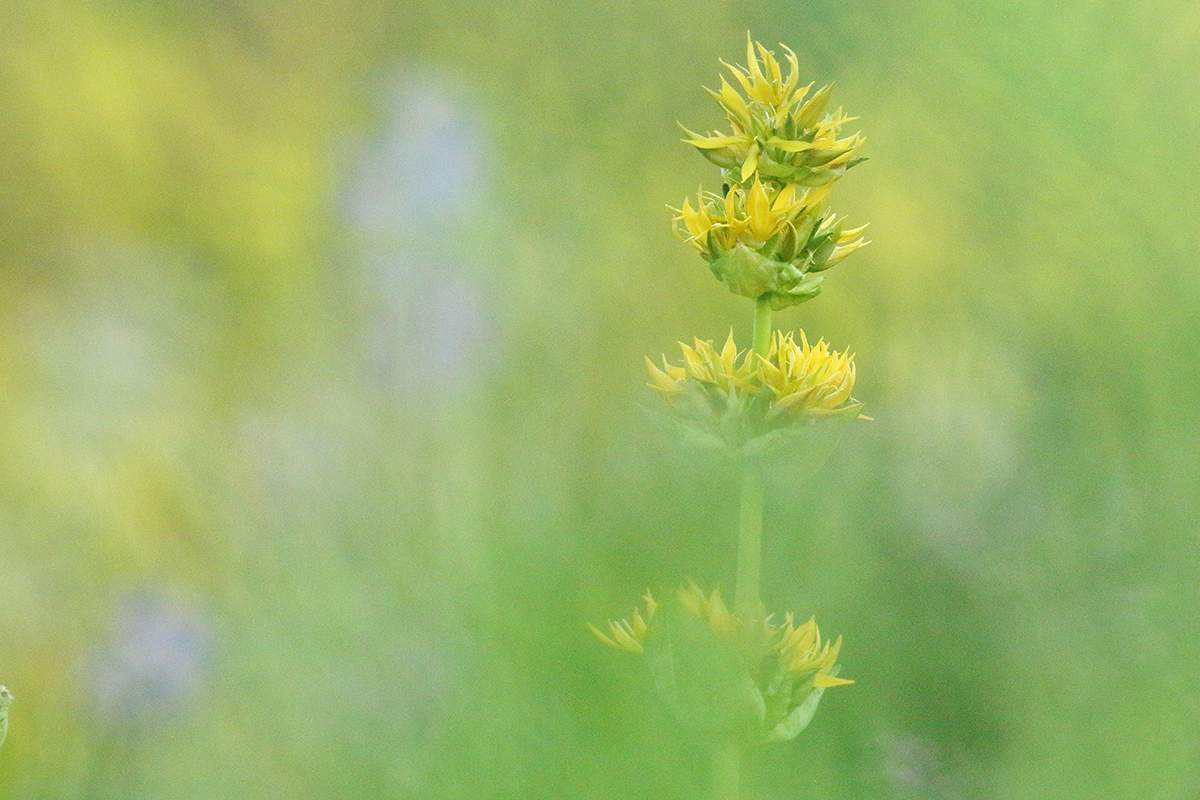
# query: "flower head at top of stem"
779,130
769,232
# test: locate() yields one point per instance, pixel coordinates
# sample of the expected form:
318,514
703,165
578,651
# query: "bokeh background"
321,338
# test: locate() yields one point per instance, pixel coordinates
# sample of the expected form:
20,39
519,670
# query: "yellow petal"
750,165
823,681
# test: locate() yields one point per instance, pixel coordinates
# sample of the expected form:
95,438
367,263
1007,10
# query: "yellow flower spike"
731,398
731,674
803,653
780,133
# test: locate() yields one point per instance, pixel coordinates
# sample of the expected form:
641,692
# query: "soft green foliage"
189,406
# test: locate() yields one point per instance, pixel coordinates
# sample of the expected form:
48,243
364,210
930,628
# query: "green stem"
749,568
726,766
762,324
749,564
727,756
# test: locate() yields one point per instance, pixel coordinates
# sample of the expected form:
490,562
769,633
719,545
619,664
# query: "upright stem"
762,324
749,569
727,756
726,767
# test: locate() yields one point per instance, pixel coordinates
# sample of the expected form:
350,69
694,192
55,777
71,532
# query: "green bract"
6,699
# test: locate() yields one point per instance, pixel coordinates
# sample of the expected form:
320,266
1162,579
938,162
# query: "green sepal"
778,697
820,156
799,718
772,247
714,250
723,157
687,433
802,292
751,274
714,423
822,246
806,176
791,448
811,222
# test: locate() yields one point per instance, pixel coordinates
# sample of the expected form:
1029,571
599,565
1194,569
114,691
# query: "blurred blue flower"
426,168
155,661
417,203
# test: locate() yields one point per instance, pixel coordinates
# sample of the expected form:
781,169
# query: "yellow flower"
703,364
748,217
629,635
776,131
806,379
803,654
767,239
712,610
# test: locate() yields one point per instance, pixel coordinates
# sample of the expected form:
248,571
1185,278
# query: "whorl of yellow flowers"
787,666
790,382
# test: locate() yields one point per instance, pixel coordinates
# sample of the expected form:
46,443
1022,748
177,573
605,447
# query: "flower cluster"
776,132
699,647
769,232
739,396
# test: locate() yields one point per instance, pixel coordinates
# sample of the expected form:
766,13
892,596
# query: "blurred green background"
321,338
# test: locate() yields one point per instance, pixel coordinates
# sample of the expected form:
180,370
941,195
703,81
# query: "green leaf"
701,677
796,451
795,723
6,699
